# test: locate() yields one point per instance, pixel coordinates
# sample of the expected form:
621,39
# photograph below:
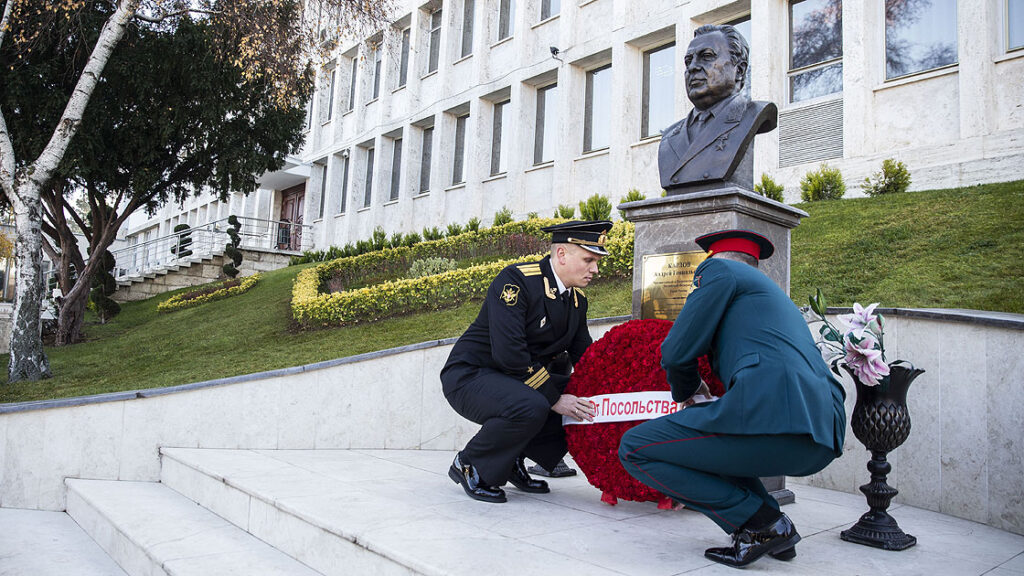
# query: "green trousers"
716,474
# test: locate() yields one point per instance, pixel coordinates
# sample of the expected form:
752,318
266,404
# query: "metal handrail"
207,240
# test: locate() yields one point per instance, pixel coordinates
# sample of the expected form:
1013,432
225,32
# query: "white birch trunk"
28,360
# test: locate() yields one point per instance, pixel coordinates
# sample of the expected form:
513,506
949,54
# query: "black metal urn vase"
881,422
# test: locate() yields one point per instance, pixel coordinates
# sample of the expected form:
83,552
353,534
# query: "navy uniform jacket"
775,379
523,325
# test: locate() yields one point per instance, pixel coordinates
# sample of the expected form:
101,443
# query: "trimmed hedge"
312,306
179,301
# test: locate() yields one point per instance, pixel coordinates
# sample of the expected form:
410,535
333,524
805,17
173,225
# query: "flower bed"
312,306
197,297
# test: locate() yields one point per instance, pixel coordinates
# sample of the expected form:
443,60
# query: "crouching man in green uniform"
782,412
508,371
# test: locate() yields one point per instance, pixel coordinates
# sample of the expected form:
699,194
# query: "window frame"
546,11
403,66
645,90
376,64
540,121
588,110
396,169
344,181
368,180
434,40
352,84
466,41
426,158
1006,27
498,137
323,189
506,19
459,158
885,49
792,73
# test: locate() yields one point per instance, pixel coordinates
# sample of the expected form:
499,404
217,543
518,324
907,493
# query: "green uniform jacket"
775,379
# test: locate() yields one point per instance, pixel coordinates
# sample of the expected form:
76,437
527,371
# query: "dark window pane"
919,35
396,169
467,27
816,82
323,189
403,70
330,95
597,109
547,124
376,72
435,41
549,8
458,168
658,90
369,178
352,84
344,185
499,144
506,18
816,32
428,144
1015,23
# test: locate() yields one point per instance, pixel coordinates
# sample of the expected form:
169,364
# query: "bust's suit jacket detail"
718,148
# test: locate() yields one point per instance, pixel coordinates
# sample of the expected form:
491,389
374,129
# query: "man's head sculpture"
711,146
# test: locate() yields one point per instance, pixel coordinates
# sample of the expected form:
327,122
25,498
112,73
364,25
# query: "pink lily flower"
864,358
861,319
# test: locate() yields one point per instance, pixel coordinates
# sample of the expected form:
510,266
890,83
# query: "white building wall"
954,126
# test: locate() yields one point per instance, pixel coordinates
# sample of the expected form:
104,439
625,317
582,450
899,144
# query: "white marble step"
387,512
150,530
381,512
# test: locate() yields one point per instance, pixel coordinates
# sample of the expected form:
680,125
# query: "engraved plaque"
667,281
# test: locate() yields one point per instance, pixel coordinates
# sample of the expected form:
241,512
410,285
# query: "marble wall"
965,456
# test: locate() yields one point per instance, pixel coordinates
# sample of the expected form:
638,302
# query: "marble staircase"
395,512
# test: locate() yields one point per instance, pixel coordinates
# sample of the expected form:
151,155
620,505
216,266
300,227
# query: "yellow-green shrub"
179,301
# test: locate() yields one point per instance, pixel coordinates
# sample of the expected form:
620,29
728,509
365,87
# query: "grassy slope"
952,248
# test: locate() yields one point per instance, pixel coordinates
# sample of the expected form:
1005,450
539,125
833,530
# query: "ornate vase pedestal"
882,423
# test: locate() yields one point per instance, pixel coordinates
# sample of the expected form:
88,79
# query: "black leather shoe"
561,470
467,475
520,479
779,538
785,555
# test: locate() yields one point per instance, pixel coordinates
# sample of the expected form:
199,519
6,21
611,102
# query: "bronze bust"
712,145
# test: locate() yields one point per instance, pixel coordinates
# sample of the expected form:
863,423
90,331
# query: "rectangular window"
597,109
352,84
376,72
368,191
658,90
919,36
459,165
403,68
344,184
506,18
330,95
815,48
323,189
499,144
1014,24
435,41
468,8
549,8
396,169
425,156
547,124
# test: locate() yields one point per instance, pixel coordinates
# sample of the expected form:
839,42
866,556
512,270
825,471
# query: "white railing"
204,241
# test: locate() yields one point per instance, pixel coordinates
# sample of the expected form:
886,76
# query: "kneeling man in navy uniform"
782,412
508,371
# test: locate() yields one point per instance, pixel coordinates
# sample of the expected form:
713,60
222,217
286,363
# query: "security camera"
554,50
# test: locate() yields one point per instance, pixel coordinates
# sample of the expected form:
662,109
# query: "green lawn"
950,248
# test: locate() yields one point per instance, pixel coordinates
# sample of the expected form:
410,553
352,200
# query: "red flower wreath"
626,359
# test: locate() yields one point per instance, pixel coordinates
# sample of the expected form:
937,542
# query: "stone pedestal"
667,225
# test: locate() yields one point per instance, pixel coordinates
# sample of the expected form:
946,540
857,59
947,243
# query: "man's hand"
702,390
575,407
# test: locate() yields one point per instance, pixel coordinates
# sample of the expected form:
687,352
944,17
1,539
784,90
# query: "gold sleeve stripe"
538,379
529,269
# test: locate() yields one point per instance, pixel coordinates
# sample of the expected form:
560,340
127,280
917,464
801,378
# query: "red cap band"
737,245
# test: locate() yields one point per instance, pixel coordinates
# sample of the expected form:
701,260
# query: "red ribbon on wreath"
626,359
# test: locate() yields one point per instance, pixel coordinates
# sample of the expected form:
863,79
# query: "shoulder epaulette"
529,269
580,291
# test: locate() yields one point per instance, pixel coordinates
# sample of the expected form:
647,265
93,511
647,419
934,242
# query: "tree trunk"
28,360
69,323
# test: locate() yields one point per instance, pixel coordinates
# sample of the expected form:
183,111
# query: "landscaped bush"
825,183
893,179
769,189
633,195
231,248
314,304
596,207
103,286
566,211
432,233
431,266
455,230
501,217
379,239
209,294
532,215
473,225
